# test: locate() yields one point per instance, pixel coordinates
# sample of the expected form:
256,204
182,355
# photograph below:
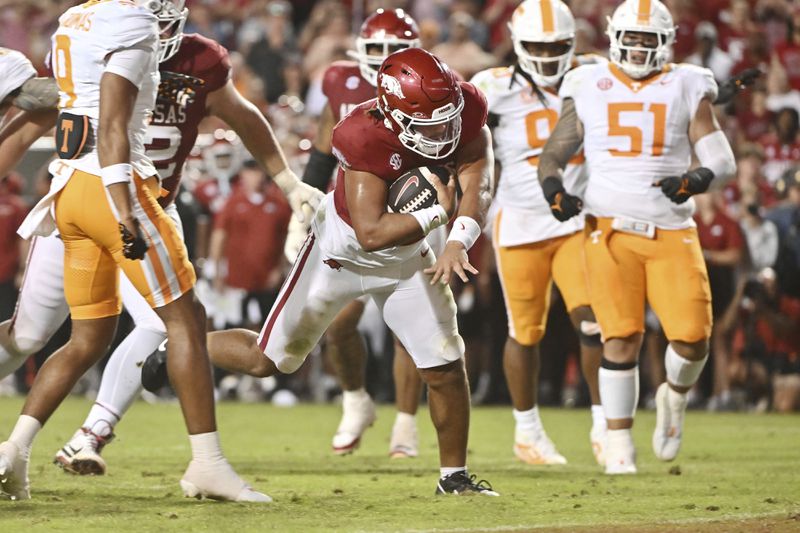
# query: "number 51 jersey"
635,133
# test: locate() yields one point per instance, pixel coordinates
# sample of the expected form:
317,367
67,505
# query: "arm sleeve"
131,63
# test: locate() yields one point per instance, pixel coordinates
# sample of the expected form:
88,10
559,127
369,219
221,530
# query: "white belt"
634,227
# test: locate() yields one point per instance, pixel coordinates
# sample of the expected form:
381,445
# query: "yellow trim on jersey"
548,23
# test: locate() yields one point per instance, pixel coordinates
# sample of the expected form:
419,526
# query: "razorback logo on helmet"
392,86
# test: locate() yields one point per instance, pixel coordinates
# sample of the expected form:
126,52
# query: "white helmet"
171,15
543,21
646,16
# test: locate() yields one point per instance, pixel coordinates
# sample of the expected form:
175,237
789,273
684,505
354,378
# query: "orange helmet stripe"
548,23
643,16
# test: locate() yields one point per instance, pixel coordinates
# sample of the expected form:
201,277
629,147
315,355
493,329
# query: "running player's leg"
41,307
424,319
347,352
569,273
680,295
404,441
617,288
525,275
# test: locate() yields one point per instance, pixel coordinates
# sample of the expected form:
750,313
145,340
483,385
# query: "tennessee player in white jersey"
531,247
103,200
639,119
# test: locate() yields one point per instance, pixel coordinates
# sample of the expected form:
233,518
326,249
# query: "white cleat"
14,482
81,455
218,481
358,413
598,436
405,441
620,452
670,413
536,449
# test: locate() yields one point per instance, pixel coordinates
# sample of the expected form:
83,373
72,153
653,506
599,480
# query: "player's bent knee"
24,347
528,339
448,375
693,351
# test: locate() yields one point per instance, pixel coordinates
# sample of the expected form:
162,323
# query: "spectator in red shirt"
786,56
750,186
12,212
248,238
782,148
753,117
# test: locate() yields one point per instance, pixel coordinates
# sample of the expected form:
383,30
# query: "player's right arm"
562,144
375,228
322,162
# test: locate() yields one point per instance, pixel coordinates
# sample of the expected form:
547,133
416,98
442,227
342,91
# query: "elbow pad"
715,153
319,169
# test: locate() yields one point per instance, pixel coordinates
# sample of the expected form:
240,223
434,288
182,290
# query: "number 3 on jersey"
635,133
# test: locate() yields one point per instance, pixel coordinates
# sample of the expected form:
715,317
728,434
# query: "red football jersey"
345,88
362,142
201,66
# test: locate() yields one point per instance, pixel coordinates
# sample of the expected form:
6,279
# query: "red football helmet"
382,33
421,101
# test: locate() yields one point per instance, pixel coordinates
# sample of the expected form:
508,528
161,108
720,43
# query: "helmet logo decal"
392,86
352,83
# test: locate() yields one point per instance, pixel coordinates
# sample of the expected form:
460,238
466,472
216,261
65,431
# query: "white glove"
295,237
303,198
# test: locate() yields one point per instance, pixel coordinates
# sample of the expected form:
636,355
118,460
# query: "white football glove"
295,237
302,197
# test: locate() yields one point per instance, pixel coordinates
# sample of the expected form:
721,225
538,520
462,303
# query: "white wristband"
430,218
466,230
119,173
286,180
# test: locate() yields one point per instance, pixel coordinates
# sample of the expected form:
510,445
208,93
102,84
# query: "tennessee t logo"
66,128
595,236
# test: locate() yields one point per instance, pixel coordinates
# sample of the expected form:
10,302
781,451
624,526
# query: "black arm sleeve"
319,169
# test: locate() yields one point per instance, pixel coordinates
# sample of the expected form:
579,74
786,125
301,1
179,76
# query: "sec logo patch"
604,84
395,161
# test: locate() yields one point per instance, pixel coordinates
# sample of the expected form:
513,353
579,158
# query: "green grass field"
736,472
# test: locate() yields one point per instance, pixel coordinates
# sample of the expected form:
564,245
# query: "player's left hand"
134,245
453,260
680,189
304,200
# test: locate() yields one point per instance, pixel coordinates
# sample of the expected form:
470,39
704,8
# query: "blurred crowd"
236,220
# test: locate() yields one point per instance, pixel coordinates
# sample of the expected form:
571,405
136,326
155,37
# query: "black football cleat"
462,484
154,371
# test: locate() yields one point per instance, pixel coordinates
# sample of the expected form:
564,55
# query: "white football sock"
353,396
448,470
598,416
405,419
122,379
620,438
619,392
528,421
24,432
206,448
681,371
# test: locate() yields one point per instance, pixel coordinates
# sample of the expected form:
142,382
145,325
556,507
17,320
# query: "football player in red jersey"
422,116
195,82
347,84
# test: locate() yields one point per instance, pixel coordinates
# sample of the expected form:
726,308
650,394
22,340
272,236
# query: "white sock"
206,448
122,379
528,421
681,371
405,419
10,361
24,432
677,400
448,470
353,395
620,438
619,392
598,416
101,420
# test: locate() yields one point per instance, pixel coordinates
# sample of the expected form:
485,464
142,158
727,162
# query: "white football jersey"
635,133
525,120
86,35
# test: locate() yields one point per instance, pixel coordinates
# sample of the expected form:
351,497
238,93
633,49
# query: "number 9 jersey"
525,117
635,133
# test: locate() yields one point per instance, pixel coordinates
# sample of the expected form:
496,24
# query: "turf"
736,472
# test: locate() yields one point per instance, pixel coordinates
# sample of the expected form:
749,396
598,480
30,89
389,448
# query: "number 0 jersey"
525,120
86,36
636,132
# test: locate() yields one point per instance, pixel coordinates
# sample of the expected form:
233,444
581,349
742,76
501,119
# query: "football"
414,191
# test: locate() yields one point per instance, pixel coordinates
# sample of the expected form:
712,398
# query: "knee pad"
453,348
26,346
289,364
